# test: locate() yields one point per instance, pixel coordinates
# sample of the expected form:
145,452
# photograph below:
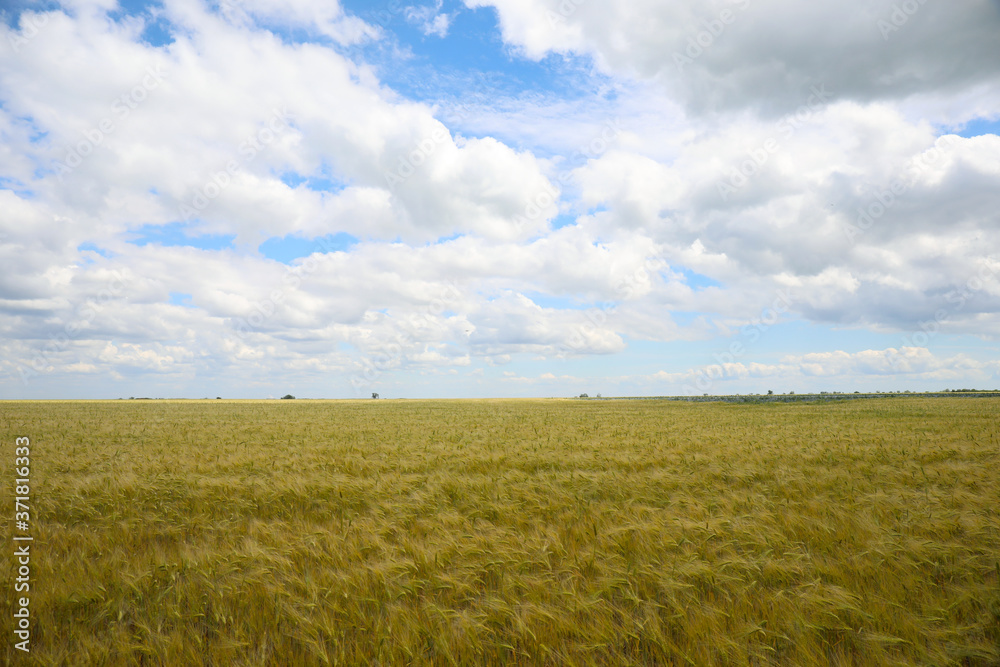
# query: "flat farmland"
499,532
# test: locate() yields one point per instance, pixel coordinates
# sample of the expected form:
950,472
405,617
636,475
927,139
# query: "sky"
493,198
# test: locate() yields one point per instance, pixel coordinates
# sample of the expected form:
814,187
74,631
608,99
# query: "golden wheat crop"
510,532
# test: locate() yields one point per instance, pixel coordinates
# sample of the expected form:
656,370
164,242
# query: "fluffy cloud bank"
738,151
737,54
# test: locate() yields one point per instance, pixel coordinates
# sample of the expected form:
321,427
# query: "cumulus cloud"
835,371
850,368
429,18
795,155
768,53
874,219
325,17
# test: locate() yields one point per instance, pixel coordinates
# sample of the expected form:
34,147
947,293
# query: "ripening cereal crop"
499,532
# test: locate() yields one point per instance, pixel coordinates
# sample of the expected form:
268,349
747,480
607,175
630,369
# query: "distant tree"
770,392
584,396
287,397
598,396
218,398
374,395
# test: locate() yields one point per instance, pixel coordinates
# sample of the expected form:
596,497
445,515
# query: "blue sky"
250,198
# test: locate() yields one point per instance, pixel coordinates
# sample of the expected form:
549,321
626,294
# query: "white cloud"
252,108
429,18
906,364
766,53
325,17
844,201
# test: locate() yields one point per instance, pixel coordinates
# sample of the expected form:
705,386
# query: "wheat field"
504,532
